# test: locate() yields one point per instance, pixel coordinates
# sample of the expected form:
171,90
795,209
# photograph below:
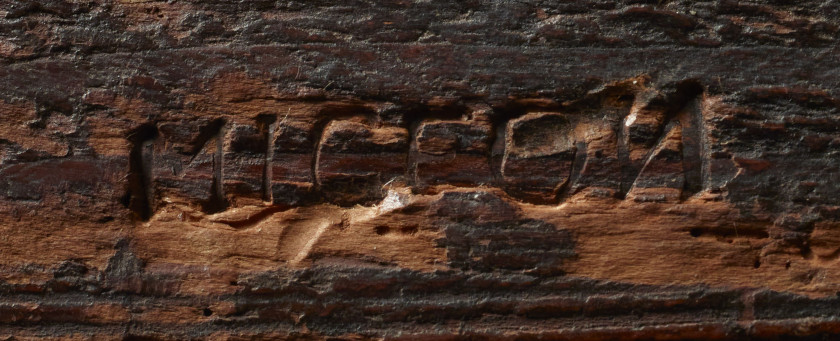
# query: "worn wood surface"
581,170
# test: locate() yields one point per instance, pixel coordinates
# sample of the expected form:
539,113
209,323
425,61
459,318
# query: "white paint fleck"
391,202
630,119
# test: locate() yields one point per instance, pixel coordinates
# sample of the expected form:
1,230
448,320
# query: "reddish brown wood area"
553,170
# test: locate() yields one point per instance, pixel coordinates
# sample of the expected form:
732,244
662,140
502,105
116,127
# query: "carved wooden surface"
219,169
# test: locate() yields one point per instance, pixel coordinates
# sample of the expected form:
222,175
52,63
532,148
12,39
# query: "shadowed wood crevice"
267,125
140,196
577,166
217,202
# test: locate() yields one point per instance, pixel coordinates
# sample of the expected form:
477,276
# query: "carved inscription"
641,145
291,175
356,159
539,141
453,152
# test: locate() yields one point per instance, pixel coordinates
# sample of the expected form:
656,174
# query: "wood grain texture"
586,170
